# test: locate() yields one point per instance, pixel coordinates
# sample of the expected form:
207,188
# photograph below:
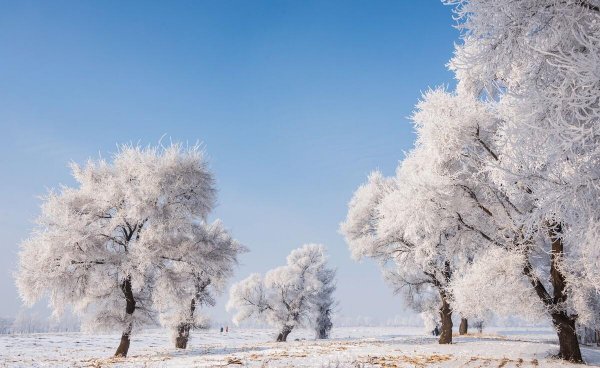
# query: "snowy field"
350,347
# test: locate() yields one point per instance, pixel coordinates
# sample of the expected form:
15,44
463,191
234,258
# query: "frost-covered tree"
128,225
323,303
420,224
381,225
288,296
538,60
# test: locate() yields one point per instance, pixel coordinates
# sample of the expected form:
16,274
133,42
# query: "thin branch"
487,148
473,196
472,228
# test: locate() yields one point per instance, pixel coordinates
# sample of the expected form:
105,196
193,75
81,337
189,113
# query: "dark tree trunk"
446,318
129,309
445,310
123,346
183,334
183,330
321,334
564,324
282,337
323,323
463,329
567,337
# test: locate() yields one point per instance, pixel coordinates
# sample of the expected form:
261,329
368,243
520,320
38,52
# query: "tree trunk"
183,330
183,334
123,346
445,310
446,318
564,324
464,326
282,337
567,337
129,309
323,323
322,333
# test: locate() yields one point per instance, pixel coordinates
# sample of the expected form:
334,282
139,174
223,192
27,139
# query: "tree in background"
323,303
103,245
297,294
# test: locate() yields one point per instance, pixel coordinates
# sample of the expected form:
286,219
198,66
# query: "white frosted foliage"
130,242
297,294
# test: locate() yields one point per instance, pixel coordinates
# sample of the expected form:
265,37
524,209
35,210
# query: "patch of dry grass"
397,361
105,362
477,361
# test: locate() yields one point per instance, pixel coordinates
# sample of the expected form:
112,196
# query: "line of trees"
495,209
130,244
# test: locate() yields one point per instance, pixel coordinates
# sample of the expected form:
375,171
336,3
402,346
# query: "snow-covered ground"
349,347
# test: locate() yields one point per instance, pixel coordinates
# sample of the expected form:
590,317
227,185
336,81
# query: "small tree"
324,303
463,329
103,245
289,295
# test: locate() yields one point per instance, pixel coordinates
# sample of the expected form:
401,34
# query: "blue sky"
294,101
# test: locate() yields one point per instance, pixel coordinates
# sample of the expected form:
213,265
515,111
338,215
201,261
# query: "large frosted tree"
536,62
128,226
381,224
297,294
420,224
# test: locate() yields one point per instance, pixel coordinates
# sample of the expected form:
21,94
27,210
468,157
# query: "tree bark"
322,333
282,337
445,310
129,309
567,337
183,330
464,326
123,346
564,324
183,334
446,318
323,324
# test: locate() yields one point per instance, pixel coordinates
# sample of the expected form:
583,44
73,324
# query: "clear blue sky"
295,102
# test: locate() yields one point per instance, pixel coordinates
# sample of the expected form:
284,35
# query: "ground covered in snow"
349,347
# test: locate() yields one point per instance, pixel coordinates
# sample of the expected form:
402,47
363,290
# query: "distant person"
226,329
221,329
436,331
